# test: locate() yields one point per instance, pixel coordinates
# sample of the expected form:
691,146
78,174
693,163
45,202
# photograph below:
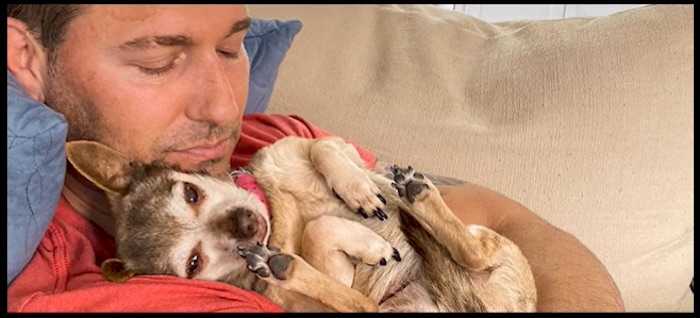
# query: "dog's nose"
245,224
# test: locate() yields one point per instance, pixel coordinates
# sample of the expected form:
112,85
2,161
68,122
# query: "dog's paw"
264,261
381,256
360,194
410,185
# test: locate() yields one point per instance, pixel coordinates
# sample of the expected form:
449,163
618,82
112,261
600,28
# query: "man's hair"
47,22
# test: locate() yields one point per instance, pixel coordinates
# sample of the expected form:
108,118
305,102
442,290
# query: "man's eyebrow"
176,40
151,41
239,26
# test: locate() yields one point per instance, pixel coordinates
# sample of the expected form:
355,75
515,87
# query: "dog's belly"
411,298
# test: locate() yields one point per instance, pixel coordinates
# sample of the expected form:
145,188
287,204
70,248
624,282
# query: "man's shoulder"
261,130
277,126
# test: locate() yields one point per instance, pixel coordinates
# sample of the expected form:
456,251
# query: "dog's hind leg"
510,285
469,247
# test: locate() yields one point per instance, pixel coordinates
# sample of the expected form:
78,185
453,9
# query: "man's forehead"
137,13
161,18
126,13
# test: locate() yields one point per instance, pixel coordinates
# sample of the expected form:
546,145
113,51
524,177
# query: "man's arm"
568,276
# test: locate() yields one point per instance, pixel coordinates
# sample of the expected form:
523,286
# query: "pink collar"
245,180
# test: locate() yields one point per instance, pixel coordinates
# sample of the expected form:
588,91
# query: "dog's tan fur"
334,253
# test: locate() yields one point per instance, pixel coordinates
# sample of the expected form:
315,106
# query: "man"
169,83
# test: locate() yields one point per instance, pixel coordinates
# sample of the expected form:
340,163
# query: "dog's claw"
396,255
401,191
380,214
263,272
336,194
381,198
362,212
392,169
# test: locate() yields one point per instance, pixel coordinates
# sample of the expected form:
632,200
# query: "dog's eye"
193,265
191,193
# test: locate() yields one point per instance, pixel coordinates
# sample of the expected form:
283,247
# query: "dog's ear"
114,270
104,166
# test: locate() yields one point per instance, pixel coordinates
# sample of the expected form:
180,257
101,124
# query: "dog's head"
172,222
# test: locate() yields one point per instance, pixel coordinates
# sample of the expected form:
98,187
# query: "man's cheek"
239,78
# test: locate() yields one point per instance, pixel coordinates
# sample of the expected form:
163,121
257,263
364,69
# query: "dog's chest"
413,297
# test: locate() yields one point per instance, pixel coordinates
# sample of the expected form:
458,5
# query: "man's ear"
104,166
114,270
26,58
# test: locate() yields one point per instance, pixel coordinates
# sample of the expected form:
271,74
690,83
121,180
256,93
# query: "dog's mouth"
261,235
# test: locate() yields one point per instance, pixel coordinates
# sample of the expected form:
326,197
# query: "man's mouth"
206,152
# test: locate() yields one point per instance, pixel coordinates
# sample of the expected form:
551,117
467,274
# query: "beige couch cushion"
588,121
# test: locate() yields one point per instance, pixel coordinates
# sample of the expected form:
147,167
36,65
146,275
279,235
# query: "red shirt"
64,273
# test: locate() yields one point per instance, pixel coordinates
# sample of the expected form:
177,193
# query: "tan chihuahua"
336,236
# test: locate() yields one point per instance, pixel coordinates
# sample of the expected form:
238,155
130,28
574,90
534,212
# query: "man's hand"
568,276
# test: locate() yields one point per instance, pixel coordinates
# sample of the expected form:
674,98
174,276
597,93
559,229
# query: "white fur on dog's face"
215,252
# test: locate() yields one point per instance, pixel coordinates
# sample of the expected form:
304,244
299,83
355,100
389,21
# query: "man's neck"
88,200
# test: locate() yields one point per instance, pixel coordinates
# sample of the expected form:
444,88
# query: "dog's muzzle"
245,223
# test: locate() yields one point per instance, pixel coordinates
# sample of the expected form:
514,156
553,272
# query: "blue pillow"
36,165
36,137
266,43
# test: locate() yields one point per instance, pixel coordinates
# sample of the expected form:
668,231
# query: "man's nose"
218,98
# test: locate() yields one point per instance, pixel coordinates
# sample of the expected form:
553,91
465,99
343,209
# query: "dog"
331,235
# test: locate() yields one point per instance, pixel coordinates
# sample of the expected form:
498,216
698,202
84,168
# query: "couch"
586,121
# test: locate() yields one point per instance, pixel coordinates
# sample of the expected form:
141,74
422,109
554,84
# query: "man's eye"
229,55
192,195
156,71
193,265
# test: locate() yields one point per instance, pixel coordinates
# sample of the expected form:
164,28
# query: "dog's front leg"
287,222
291,272
344,173
333,244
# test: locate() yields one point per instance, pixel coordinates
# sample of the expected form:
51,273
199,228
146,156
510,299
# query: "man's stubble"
86,122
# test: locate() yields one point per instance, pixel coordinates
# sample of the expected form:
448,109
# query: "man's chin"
216,167
219,168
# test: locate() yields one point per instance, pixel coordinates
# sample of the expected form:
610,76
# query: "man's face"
162,83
